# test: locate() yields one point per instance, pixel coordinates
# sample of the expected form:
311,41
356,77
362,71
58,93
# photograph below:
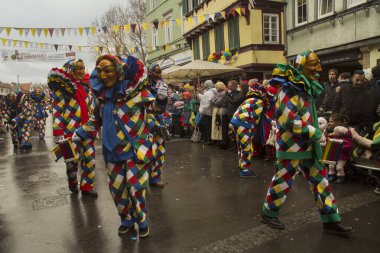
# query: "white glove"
75,137
162,90
322,139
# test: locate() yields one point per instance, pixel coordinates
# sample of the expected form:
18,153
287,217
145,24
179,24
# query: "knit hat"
322,123
340,131
187,87
209,84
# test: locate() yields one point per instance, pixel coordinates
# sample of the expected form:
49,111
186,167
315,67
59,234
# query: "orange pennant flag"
33,31
93,30
80,30
8,30
46,30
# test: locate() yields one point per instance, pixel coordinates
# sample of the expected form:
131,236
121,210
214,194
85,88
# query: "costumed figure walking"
122,105
39,104
157,123
12,109
298,143
71,105
249,120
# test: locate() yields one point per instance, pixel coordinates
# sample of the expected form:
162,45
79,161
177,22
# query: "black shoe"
91,193
144,232
273,222
335,228
73,188
340,180
123,229
251,175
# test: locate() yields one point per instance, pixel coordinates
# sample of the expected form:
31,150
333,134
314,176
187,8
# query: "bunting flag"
155,24
51,31
46,31
63,30
133,27
33,31
20,31
3,41
70,47
39,32
93,30
127,28
178,21
8,30
201,18
115,28
238,10
87,30
104,29
80,30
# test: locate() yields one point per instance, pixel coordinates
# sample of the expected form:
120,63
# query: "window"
271,28
352,3
206,45
301,12
196,49
155,38
168,29
189,5
219,38
325,8
153,4
233,32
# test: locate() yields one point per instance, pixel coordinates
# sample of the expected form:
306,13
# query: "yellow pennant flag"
201,18
132,49
238,10
167,23
26,44
33,31
167,47
115,28
97,49
127,27
190,20
46,30
3,41
178,21
21,31
80,30
8,30
79,48
92,30
144,26
41,45
15,42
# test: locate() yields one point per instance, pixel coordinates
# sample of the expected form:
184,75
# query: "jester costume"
157,125
247,120
297,143
71,104
39,106
121,108
13,110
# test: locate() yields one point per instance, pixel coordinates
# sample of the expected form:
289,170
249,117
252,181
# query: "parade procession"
187,126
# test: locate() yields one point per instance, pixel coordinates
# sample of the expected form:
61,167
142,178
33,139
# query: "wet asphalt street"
205,207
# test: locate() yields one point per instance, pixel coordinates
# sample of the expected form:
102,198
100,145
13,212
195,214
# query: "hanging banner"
14,56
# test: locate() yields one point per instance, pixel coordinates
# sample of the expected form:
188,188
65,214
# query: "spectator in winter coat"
205,109
219,127
357,102
330,89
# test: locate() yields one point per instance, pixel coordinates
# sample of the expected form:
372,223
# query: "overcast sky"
46,14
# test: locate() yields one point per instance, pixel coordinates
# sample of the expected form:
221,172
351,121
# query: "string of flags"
98,49
92,30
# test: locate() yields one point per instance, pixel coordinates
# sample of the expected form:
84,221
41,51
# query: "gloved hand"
75,137
322,139
162,90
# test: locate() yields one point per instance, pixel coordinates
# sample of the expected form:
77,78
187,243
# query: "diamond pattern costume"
122,111
71,103
39,106
297,141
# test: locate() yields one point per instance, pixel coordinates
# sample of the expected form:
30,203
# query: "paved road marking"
262,234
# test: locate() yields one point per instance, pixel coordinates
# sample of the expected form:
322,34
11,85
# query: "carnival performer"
157,123
12,109
39,104
123,102
71,104
297,143
248,120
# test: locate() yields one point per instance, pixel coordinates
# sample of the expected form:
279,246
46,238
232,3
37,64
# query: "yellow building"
255,37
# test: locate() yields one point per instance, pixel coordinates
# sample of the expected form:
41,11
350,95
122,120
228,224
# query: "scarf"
80,96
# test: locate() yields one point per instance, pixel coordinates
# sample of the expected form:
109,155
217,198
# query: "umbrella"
168,77
199,68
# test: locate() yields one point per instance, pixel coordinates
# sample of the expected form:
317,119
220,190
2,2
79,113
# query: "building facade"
344,33
165,43
254,37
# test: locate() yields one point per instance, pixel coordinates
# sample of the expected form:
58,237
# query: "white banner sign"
14,56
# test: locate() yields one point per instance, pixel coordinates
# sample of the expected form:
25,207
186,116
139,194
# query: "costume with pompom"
249,119
13,109
71,105
39,105
297,140
122,111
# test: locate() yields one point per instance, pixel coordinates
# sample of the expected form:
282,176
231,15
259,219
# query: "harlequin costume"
71,104
269,114
157,123
39,105
123,103
297,143
13,110
248,120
